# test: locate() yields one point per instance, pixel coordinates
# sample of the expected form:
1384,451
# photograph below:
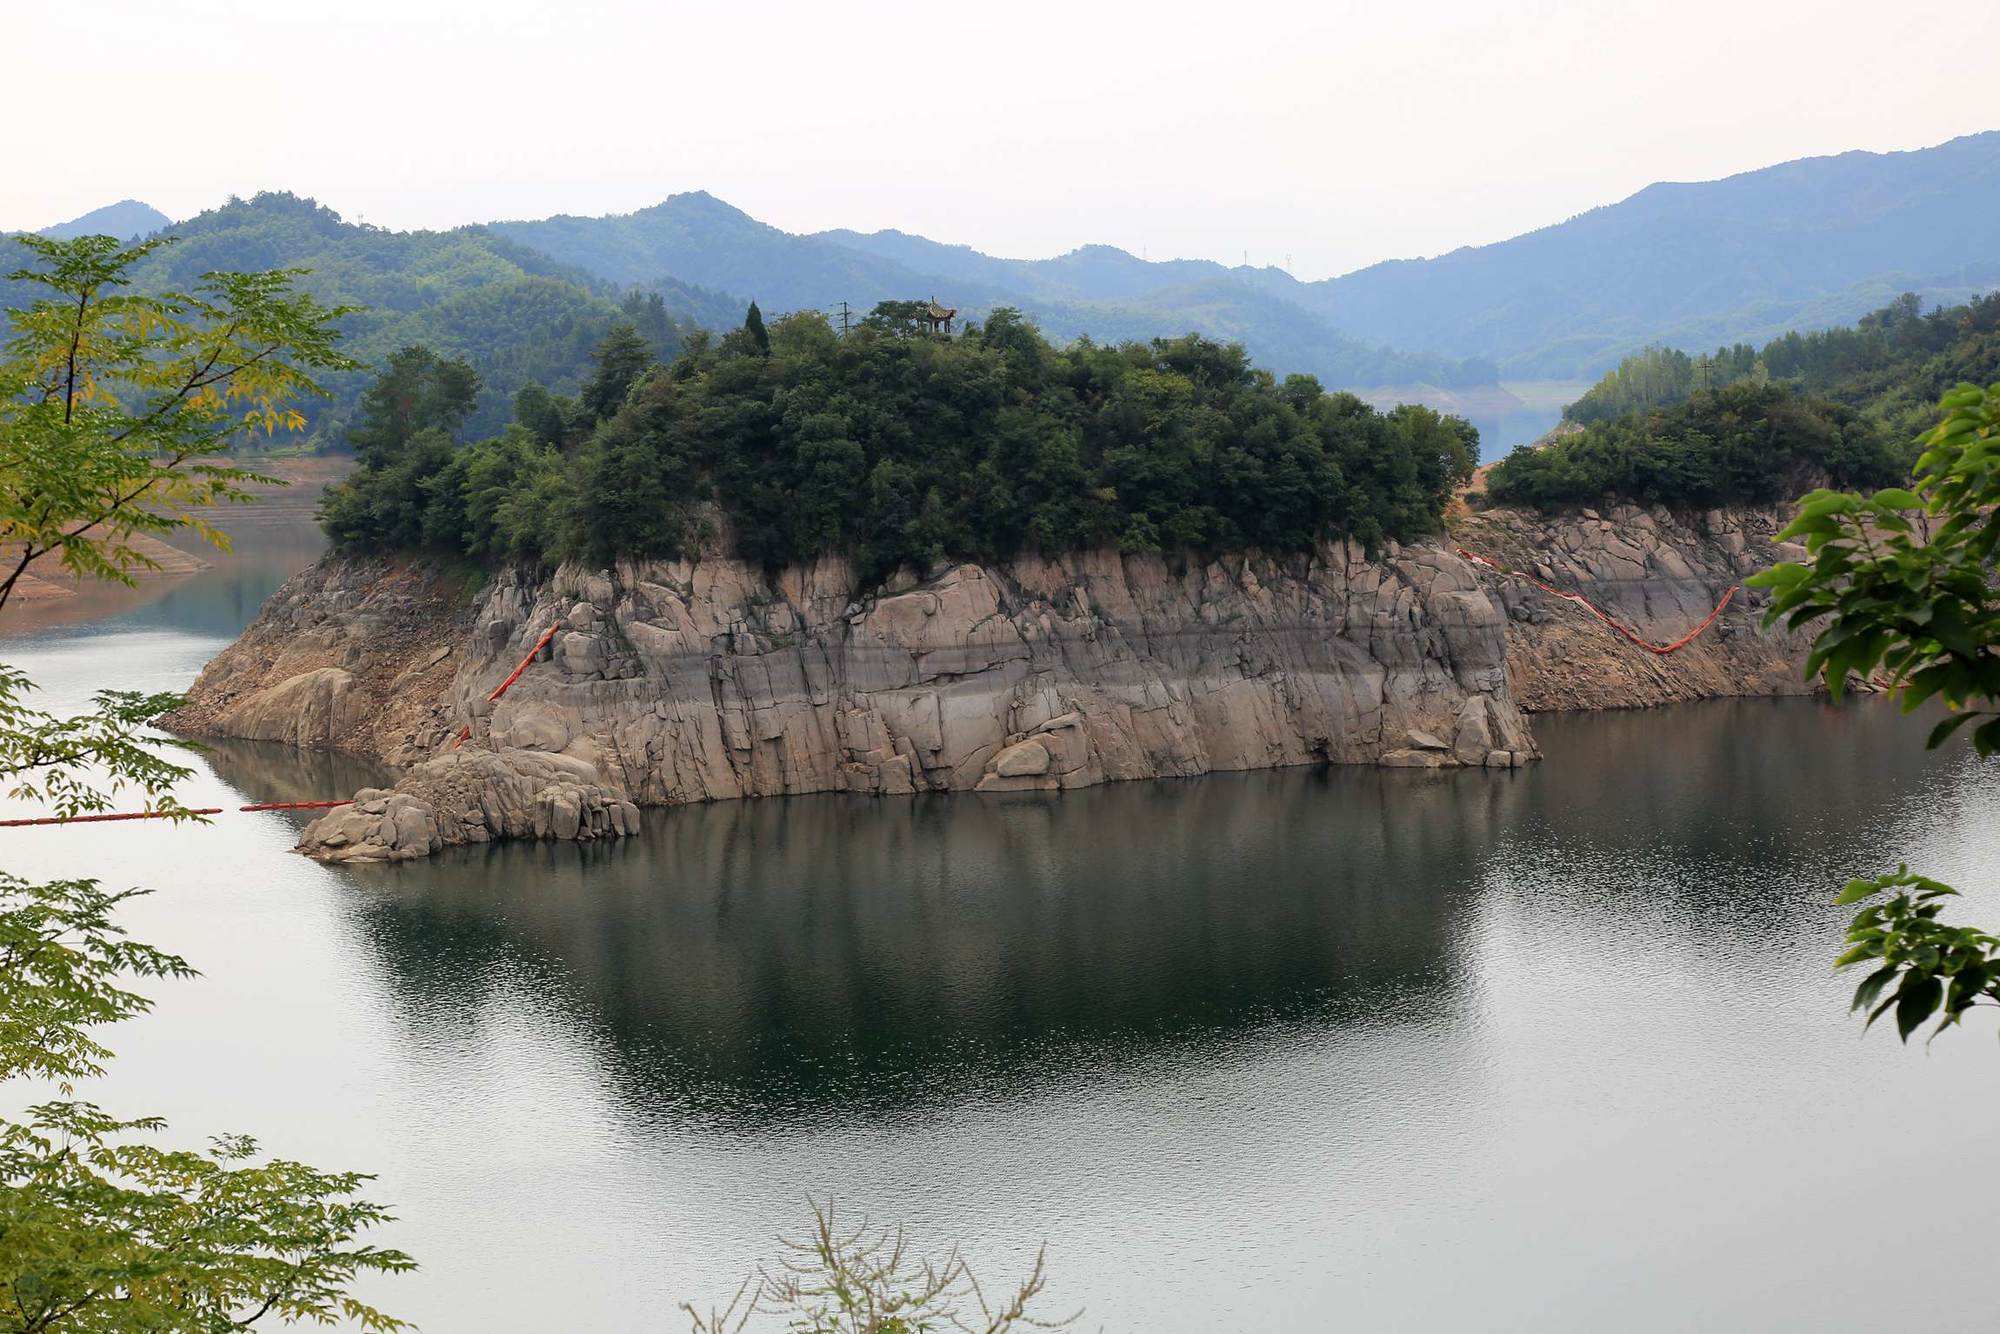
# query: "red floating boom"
512,677
168,815
1584,602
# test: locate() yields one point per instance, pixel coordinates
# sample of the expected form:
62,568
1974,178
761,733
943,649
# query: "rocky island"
705,679
905,561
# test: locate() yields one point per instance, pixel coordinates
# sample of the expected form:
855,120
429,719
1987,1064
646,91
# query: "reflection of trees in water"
772,957
767,959
1730,813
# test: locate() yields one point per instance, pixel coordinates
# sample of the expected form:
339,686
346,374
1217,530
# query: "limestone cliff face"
671,682
1659,573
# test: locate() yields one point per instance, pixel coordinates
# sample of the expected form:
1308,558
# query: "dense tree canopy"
1750,443
897,448
418,391
1891,367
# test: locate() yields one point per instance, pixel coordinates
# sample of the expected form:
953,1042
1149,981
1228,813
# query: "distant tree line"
1748,443
892,448
1892,366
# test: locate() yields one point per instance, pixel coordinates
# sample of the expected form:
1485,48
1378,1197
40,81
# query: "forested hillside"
516,316
1892,366
1099,292
1747,444
1757,424
897,448
1804,245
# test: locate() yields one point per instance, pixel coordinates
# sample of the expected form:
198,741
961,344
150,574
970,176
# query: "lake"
1312,1049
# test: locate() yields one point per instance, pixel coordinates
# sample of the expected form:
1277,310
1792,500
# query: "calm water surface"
1301,1050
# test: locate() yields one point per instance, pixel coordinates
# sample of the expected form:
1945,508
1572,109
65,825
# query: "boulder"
472,797
1022,760
1473,736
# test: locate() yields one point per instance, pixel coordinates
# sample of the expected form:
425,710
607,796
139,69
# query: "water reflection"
271,771
781,959
769,962
1245,1051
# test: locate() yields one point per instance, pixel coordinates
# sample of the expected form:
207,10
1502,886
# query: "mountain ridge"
128,220
703,240
1808,244
1802,244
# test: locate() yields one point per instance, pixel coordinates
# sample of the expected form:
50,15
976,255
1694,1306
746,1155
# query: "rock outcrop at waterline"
1659,573
352,654
472,796
678,681
681,681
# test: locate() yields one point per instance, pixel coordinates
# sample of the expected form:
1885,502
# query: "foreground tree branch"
1900,586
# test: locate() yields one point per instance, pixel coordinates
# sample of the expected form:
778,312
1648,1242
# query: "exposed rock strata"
1659,573
682,681
678,681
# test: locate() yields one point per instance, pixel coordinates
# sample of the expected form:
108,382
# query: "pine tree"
753,324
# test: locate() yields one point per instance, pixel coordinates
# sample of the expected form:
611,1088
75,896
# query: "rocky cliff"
677,681
671,682
1659,573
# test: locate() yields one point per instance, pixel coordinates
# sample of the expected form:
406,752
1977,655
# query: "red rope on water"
168,815
1661,649
512,677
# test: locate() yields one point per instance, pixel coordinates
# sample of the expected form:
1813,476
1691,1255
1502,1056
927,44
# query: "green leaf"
1943,730
1871,987
1915,1002
1855,891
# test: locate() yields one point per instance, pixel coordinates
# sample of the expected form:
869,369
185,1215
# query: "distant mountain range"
1098,290
1807,244
128,220
1804,245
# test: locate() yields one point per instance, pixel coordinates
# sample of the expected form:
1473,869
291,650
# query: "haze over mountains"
1099,291
1803,245
128,220
1806,244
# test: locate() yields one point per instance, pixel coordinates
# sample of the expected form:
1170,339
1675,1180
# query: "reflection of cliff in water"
273,771
768,960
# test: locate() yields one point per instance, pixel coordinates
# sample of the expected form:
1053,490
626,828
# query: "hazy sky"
1336,133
